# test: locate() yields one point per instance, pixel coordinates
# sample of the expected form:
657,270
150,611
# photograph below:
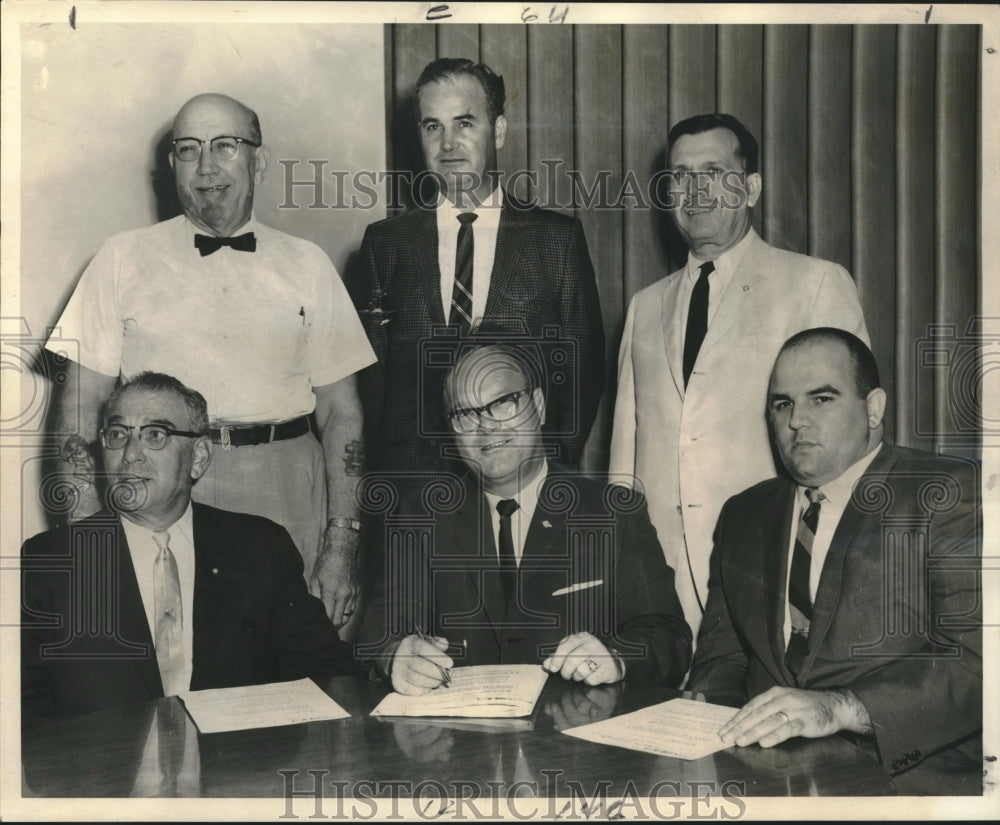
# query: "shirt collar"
183,526
193,229
838,492
488,211
529,492
725,265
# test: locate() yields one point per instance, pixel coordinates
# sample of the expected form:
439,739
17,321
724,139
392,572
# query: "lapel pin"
546,524
215,571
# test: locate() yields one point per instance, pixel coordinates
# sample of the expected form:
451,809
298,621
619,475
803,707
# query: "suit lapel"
472,532
673,335
208,557
426,260
506,260
133,622
831,581
737,298
777,517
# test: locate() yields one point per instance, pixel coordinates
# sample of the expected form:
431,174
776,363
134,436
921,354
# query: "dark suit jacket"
85,641
442,574
542,278
897,621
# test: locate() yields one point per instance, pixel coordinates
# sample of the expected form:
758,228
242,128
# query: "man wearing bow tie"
524,562
256,320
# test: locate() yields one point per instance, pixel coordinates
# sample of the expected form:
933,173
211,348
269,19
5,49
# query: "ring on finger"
781,716
592,665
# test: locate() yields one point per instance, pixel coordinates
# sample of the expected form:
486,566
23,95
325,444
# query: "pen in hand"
445,675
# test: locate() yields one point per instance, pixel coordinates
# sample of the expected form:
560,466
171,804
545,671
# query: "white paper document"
484,691
681,728
260,706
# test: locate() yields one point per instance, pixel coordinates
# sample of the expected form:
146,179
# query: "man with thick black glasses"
256,318
525,562
156,595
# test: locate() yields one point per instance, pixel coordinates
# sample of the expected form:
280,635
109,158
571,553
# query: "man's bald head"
215,104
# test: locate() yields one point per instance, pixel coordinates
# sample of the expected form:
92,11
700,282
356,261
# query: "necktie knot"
466,218
707,269
162,539
506,507
207,244
815,495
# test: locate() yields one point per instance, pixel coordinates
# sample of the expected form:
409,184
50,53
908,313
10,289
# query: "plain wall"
97,105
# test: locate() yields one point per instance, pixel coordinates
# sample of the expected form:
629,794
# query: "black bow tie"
207,244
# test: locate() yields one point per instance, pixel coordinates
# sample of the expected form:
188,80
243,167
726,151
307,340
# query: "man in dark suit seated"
847,598
520,562
157,595
473,254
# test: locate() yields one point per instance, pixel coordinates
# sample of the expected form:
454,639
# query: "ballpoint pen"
445,676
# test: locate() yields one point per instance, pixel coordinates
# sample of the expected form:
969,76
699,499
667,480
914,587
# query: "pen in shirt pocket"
302,313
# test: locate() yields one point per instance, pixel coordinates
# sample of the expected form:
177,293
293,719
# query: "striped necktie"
799,602
461,295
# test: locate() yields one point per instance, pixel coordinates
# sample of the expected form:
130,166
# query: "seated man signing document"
847,597
520,562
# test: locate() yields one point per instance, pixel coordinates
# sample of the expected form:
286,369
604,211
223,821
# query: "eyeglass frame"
201,146
142,428
516,396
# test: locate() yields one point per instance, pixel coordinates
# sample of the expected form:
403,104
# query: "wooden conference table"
106,754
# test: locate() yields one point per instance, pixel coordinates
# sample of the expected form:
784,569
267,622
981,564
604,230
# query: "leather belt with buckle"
248,435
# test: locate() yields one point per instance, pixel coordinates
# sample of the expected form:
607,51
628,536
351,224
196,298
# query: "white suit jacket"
691,451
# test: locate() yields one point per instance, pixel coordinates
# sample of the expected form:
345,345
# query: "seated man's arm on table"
410,664
913,705
338,417
649,622
305,642
76,422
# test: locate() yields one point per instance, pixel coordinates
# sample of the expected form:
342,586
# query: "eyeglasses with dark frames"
224,147
152,436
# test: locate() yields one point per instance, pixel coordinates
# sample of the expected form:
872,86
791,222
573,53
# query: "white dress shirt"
484,234
520,520
837,495
718,280
144,550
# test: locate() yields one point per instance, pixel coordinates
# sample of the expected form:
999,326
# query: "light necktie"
169,631
697,322
207,244
799,601
508,560
461,295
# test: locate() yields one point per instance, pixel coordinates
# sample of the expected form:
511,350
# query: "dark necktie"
799,602
697,322
461,294
508,561
169,636
207,244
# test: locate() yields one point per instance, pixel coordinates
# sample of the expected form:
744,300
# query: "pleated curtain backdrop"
870,147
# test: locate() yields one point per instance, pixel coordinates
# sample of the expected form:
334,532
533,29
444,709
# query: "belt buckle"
224,436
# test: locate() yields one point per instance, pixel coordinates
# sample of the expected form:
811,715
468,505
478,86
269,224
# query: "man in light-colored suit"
698,347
